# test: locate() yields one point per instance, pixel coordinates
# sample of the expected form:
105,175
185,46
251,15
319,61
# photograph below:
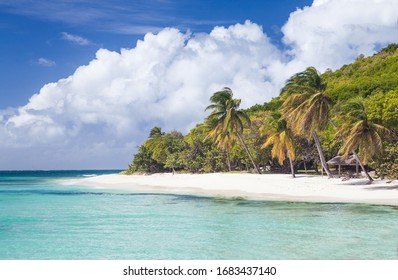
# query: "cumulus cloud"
75,39
166,79
331,33
98,115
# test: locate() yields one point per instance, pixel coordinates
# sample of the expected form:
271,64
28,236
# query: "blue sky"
83,82
34,50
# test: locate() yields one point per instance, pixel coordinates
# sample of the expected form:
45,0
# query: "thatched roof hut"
339,161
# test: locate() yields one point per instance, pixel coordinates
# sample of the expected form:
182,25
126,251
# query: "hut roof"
338,160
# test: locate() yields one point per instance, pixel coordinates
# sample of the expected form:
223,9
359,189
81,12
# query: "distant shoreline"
275,187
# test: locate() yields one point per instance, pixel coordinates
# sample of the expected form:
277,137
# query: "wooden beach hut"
339,162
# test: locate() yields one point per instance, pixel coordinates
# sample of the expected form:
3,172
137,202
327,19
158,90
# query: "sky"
82,82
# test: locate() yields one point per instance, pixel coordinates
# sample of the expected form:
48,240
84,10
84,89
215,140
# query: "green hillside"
374,78
366,76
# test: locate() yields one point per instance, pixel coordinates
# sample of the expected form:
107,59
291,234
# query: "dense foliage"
388,162
366,76
324,110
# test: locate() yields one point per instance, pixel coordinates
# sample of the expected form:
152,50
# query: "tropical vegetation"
350,111
226,122
281,138
306,107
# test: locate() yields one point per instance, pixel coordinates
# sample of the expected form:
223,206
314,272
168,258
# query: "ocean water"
42,219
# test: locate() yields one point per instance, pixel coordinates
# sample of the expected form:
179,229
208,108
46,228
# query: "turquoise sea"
42,219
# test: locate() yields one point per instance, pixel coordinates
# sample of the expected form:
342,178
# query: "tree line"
311,121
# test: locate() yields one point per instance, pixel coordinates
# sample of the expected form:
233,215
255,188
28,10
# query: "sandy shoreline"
252,186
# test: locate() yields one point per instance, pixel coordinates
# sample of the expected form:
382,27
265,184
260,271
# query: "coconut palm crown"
306,107
363,135
281,137
227,121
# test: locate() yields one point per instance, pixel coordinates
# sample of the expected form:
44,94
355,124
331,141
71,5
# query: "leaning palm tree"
227,121
306,107
280,136
224,140
362,135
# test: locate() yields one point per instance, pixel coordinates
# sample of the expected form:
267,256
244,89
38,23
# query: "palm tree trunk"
291,166
321,156
248,153
228,162
354,153
362,167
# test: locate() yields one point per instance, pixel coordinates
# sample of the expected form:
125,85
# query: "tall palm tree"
362,135
227,121
223,139
280,136
306,107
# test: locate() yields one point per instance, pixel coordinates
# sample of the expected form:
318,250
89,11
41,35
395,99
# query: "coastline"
275,187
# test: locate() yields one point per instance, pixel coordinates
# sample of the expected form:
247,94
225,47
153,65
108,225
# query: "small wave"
89,175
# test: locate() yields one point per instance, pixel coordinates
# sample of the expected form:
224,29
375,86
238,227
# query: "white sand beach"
251,186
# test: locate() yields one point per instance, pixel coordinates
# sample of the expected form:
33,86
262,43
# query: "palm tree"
224,140
306,107
227,122
362,135
280,136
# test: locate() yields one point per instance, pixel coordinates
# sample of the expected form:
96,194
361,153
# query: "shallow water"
42,219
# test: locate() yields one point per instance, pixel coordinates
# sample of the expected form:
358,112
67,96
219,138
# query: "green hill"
366,76
375,78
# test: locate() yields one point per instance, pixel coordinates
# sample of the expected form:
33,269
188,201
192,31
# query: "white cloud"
166,79
331,33
45,62
97,116
75,39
